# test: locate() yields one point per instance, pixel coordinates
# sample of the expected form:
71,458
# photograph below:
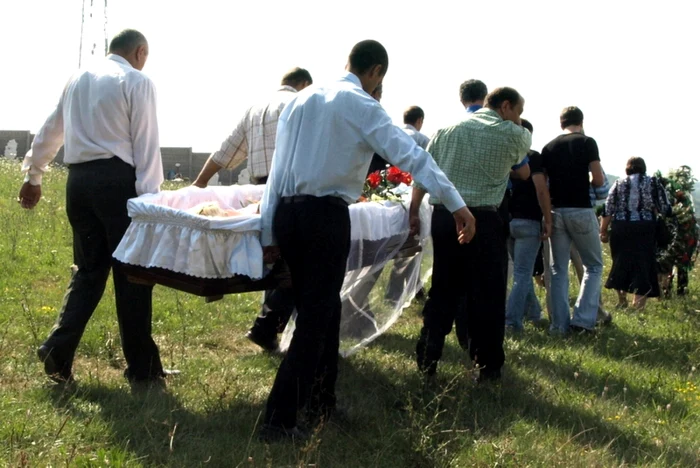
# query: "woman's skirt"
633,250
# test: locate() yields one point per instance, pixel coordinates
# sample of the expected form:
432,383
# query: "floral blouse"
636,198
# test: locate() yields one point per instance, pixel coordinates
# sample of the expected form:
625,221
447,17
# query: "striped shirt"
254,136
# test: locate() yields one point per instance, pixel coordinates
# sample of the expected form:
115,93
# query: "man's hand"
270,254
29,195
466,225
414,224
604,236
546,230
198,183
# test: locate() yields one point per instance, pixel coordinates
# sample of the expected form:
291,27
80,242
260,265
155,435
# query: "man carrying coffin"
254,139
325,140
106,117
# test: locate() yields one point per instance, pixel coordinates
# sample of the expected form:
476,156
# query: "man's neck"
573,129
472,106
367,85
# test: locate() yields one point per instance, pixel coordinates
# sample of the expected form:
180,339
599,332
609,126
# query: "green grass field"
626,397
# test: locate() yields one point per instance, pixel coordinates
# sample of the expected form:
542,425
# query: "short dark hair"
472,90
296,76
498,96
412,114
367,54
571,115
126,41
526,124
636,165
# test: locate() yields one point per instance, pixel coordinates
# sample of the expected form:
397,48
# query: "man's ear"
377,70
506,107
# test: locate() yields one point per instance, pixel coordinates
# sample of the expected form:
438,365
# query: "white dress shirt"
325,141
105,111
420,139
254,136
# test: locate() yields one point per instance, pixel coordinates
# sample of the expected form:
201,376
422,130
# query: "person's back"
261,130
413,118
567,159
319,112
523,203
96,103
253,137
469,148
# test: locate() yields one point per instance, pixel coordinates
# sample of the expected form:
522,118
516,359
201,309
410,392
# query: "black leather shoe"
268,344
426,354
581,330
486,375
604,317
271,434
336,414
155,383
54,369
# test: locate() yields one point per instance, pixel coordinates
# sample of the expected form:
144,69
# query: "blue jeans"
522,299
580,226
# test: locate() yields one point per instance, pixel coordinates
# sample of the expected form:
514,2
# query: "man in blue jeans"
567,161
528,203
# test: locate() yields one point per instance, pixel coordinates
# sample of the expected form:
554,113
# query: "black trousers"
461,326
314,238
96,196
469,283
276,312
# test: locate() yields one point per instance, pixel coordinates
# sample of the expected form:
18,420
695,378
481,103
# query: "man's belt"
306,198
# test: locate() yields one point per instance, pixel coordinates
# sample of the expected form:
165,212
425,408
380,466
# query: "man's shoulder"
553,143
566,141
277,102
112,73
134,77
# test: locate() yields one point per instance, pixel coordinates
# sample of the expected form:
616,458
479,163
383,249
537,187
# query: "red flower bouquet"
380,185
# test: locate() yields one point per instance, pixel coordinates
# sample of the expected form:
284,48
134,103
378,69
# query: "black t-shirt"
565,160
523,201
378,164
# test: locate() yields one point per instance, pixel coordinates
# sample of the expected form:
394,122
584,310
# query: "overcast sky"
627,65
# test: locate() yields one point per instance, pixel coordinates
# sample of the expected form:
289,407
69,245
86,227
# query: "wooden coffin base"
213,289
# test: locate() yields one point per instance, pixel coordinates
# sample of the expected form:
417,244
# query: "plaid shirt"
477,155
254,136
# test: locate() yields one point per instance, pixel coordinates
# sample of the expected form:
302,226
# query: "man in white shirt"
106,118
412,123
325,140
254,136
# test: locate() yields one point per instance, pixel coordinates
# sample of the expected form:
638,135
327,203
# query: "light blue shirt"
420,139
325,140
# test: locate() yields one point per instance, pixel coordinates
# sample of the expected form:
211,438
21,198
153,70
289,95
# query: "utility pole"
93,31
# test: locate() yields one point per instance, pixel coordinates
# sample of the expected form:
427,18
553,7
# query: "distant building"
18,140
16,144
